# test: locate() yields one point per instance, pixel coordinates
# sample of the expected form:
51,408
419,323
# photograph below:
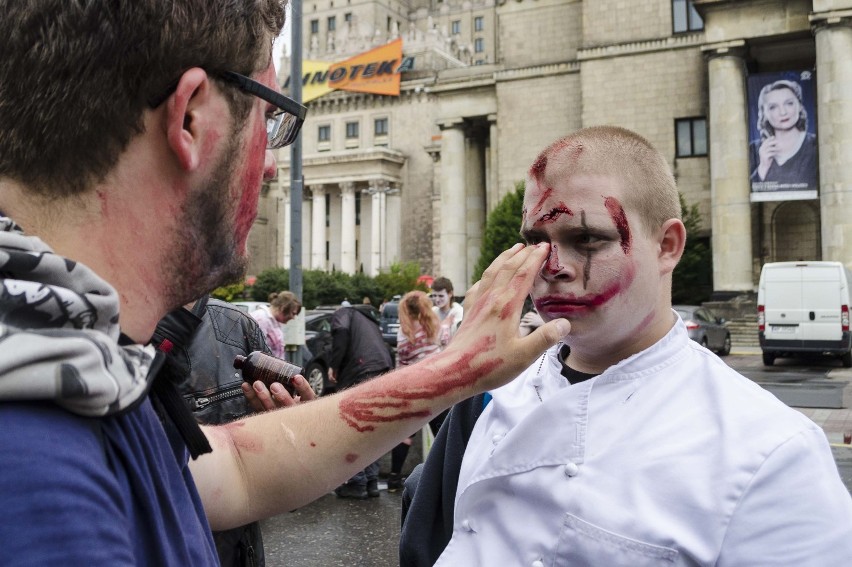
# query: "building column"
729,176
392,227
493,187
347,227
453,235
318,227
833,33
377,221
476,202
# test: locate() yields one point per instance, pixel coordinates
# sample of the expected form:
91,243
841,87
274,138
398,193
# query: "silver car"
705,328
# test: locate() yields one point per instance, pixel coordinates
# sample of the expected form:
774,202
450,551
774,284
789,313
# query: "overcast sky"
282,44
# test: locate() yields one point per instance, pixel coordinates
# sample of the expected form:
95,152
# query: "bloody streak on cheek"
552,264
587,266
616,211
251,184
645,322
370,403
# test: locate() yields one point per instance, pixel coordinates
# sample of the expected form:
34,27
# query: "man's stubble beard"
205,248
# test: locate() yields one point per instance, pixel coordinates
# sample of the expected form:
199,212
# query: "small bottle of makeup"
266,368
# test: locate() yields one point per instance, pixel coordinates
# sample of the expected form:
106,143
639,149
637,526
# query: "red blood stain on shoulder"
351,457
313,444
616,211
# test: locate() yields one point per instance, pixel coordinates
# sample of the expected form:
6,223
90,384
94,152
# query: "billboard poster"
783,159
377,71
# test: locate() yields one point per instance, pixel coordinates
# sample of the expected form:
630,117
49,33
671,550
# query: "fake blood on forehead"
616,211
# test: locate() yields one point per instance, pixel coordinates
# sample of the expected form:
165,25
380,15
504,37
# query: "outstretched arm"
274,462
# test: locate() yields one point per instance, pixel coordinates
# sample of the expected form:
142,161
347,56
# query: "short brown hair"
75,77
285,302
610,150
442,284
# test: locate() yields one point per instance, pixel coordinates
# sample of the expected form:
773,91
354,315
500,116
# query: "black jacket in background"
359,352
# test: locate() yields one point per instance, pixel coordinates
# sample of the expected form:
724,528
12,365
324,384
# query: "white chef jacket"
668,458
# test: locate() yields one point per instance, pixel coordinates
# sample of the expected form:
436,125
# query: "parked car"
705,328
319,342
389,322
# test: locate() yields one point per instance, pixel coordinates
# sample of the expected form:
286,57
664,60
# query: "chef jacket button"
497,438
537,563
571,469
466,526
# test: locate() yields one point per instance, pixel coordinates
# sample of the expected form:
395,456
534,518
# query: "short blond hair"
610,150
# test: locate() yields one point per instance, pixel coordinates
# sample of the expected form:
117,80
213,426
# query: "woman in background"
283,306
416,339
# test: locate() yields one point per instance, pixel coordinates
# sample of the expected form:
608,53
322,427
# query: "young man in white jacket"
627,443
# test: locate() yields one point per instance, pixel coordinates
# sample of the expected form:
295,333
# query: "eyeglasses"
284,124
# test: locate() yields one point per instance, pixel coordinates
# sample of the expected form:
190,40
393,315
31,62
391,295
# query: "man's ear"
189,113
672,242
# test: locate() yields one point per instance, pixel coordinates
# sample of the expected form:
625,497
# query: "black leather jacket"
206,378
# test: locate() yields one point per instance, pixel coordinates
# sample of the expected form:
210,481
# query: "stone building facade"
412,178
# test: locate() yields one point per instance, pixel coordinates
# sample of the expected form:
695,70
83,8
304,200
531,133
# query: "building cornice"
537,71
680,41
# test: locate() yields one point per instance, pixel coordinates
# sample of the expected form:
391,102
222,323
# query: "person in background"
366,301
201,341
283,306
627,443
448,311
359,354
416,339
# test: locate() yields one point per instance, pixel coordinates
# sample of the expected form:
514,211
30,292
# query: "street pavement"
331,532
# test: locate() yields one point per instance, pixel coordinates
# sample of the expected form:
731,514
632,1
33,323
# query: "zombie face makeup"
601,271
441,299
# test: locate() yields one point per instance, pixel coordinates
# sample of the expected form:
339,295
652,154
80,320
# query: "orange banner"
373,71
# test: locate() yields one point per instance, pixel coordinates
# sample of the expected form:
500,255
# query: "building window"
456,27
351,130
332,23
390,23
691,137
685,17
479,45
381,127
324,133
479,62
478,23
314,26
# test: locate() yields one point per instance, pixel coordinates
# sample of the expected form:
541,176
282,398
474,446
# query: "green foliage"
331,288
231,292
401,279
501,229
692,280
270,281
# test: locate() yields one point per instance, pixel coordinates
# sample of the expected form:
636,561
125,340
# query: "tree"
401,279
502,229
692,280
269,281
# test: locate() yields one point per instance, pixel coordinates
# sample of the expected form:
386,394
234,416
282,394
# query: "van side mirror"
720,320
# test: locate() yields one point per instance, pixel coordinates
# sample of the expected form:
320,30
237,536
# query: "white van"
803,308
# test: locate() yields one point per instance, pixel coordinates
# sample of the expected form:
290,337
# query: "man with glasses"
134,144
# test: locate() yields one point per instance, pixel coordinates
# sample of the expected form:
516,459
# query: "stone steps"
744,331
